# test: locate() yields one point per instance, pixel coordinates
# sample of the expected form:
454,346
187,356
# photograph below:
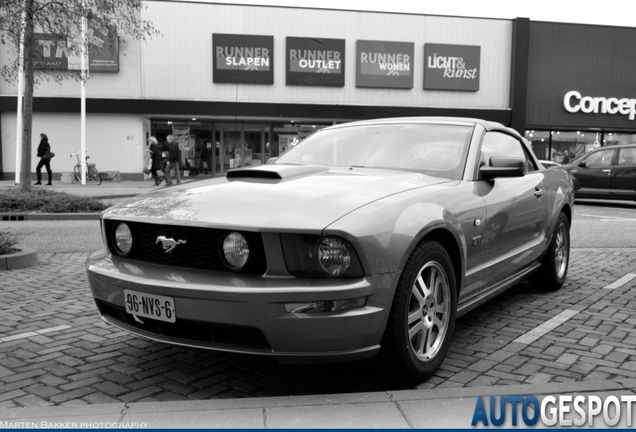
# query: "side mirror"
501,166
584,165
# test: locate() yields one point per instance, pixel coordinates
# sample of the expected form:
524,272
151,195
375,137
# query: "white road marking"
547,326
622,281
34,333
610,218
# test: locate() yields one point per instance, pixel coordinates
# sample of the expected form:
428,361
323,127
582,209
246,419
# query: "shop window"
540,143
613,138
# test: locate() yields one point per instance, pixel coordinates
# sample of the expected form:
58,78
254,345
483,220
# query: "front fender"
386,231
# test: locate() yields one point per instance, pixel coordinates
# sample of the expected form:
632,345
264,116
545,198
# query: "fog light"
236,251
123,239
326,305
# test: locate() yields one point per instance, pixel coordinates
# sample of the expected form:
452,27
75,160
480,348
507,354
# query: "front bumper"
246,314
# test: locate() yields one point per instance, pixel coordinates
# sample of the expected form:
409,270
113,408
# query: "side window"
600,158
501,144
627,156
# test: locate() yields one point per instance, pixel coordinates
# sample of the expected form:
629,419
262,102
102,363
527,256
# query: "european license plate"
150,306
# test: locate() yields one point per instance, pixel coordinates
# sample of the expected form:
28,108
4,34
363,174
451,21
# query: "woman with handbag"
45,155
154,161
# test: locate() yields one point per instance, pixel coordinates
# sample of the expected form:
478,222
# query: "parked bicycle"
91,170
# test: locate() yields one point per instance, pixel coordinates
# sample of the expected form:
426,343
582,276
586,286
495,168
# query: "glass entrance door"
240,146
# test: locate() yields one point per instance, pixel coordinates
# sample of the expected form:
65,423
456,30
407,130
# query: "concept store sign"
451,67
573,102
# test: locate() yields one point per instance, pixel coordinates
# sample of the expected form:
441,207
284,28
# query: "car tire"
554,265
421,321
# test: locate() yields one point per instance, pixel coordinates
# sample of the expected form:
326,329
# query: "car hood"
271,197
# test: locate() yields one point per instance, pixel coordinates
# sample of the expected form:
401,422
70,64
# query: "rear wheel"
77,173
554,266
422,316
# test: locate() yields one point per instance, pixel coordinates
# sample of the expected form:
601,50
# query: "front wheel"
422,317
94,175
554,266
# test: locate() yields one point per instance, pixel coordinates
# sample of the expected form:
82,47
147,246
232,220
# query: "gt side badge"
476,240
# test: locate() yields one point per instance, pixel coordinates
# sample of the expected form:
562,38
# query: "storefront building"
581,89
240,84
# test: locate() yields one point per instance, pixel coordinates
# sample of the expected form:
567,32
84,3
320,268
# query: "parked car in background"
366,239
605,173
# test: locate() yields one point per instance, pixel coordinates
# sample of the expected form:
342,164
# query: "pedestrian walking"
45,155
174,157
155,160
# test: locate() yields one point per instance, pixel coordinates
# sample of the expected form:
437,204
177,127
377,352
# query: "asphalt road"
596,224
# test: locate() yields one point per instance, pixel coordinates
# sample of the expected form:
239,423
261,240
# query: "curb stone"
22,259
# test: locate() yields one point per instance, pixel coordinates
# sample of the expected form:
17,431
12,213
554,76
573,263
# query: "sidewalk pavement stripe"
34,333
622,281
547,326
610,218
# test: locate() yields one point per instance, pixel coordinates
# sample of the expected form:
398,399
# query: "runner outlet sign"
573,102
451,67
312,61
382,64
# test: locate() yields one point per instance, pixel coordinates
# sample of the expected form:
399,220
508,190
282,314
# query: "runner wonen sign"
384,64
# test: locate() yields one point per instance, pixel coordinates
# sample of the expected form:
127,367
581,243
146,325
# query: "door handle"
607,170
538,192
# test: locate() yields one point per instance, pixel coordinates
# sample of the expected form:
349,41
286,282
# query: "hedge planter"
18,260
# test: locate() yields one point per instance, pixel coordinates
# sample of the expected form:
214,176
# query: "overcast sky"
604,12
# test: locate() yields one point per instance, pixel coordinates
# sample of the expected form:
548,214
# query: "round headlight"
123,239
235,250
333,256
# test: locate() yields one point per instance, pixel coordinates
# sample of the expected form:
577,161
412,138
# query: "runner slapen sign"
243,59
451,67
316,62
384,64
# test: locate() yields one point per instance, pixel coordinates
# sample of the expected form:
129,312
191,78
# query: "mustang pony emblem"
168,243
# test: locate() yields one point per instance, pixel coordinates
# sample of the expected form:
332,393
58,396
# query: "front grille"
202,248
195,332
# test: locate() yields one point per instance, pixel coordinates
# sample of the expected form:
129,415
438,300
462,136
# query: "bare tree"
20,19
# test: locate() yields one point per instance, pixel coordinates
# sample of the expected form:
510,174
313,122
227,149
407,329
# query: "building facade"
239,84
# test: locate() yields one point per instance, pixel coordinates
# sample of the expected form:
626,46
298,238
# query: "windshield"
437,150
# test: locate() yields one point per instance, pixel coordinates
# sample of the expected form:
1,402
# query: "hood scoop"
274,172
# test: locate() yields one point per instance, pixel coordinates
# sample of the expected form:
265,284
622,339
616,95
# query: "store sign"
243,59
451,67
384,64
573,102
55,52
318,62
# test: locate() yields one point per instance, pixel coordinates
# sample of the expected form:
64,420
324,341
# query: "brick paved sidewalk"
54,350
